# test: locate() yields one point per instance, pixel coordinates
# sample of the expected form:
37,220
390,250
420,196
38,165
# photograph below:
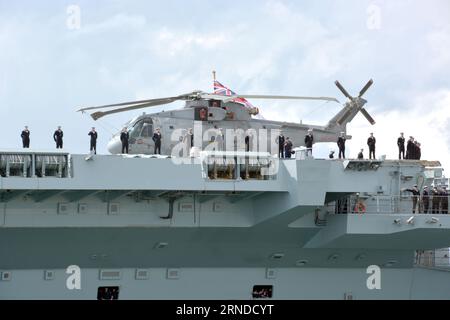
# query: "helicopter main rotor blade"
339,85
260,96
367,115
180,97
366,87
213,96
155,102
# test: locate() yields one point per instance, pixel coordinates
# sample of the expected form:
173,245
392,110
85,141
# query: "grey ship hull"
111,216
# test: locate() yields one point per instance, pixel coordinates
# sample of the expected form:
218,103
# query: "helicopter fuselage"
217,124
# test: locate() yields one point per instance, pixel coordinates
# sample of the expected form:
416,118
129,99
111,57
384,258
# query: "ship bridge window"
108,293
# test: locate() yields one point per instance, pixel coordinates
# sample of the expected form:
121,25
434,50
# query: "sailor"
58,137
247,141
361,155
331,155
25,137
281,141
124,137
401,146
435,201
416,194
288,148
418,150
157,140
93,134
425,199
188,141
220,140
371,141
341,145
410,148
309,140
189,138
444,200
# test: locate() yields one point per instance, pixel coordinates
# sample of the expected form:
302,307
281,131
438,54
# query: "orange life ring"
360,207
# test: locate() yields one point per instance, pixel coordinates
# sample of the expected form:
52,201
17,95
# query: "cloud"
177,42
439,43
118,22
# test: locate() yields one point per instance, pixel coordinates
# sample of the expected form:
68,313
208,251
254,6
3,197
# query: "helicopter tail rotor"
355,105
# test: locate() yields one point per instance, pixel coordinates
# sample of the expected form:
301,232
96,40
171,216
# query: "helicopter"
212,114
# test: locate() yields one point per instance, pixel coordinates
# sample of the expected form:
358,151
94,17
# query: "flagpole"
214,75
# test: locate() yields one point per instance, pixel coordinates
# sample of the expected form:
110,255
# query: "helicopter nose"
114,146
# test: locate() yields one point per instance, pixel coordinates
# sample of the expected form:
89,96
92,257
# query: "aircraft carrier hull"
151,228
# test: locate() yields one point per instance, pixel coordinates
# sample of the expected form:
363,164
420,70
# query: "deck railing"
389,204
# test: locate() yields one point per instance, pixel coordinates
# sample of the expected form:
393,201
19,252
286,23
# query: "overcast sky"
124,50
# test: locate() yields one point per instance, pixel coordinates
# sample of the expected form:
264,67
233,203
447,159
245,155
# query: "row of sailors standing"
413,150
371,143
438,196
285,145
125,140
57,137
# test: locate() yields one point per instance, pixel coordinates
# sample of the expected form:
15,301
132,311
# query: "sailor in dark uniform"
124,137
425,199
58,137
288,148
435,201
309,140
444,200
415,197
410,149
247,141
418,150
25,137
94,135
371,143
401,146
361,155
341,145
281,141
157,140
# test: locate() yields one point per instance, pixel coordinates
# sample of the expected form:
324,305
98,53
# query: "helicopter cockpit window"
147,131
137,128
201,114
215,103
